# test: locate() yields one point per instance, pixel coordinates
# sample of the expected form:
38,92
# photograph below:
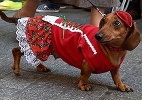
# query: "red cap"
125,17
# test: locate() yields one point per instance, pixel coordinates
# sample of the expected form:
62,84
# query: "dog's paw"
16,73
42,68
85,87
125,88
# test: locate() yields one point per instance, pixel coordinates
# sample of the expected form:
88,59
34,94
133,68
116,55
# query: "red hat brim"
125,17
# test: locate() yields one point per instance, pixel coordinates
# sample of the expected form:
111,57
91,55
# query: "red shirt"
70,43
73,48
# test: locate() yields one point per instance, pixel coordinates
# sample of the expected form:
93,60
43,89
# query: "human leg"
95,16
28,9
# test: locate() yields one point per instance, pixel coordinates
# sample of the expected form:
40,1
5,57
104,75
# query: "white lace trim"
25,48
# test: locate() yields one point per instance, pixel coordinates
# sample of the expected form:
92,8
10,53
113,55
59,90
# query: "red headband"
125,17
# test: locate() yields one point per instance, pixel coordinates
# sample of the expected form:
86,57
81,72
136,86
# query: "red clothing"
39,37
71,45
74,48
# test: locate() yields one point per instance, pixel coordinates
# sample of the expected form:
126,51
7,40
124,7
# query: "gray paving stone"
61,82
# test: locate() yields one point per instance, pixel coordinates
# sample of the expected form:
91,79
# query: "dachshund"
89,48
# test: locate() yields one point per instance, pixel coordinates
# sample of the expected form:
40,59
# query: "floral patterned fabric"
39,37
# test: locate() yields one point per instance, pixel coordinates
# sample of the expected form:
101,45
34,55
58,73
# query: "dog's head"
118,30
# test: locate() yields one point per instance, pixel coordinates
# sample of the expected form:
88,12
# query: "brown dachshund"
117,34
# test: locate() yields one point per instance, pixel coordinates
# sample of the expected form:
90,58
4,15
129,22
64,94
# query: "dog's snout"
99,36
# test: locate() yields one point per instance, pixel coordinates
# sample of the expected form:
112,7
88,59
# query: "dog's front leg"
120,85
85,74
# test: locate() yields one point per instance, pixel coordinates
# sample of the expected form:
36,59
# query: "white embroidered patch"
50,19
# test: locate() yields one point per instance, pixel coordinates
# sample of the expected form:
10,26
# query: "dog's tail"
8,19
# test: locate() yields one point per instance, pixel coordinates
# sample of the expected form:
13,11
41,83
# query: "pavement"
61,82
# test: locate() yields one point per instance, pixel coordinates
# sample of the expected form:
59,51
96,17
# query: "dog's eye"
116,23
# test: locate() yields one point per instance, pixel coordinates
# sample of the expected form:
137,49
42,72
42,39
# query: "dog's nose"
99,36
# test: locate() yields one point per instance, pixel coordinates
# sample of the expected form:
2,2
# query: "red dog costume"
73,42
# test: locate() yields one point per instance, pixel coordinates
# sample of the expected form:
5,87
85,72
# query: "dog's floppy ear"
133,39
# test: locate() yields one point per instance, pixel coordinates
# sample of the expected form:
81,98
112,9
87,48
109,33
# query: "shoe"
10,5
45,8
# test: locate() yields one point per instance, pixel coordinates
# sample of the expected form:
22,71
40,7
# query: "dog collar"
114,48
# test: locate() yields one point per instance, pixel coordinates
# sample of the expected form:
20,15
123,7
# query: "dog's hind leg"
17,56
16,66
